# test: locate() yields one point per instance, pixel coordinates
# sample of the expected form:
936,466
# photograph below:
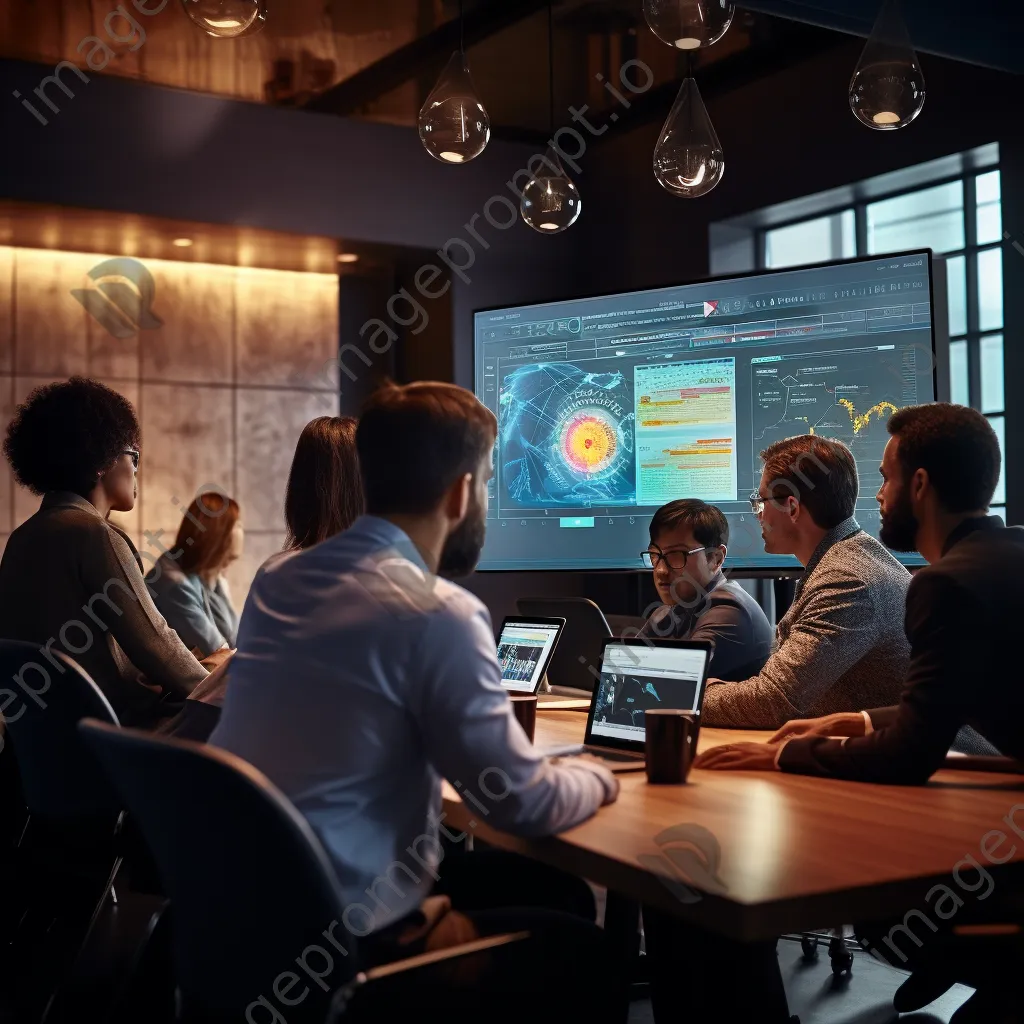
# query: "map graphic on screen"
609,407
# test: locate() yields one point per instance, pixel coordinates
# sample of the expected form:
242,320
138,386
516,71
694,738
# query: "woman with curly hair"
72,581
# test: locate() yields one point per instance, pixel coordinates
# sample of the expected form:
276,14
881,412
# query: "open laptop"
525,647
637,674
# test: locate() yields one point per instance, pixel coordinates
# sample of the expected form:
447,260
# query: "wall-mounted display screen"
610,406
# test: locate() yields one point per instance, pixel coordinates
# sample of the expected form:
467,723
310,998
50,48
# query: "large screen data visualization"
608,407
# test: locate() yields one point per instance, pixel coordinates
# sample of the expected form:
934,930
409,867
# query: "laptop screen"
636,677
523,652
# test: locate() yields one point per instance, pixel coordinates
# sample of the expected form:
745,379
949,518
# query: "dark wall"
124,146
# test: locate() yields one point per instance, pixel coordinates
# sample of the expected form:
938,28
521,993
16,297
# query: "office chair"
250,887
66,857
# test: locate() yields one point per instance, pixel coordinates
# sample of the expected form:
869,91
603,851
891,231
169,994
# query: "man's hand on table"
754,757
842,724
744,757
610,781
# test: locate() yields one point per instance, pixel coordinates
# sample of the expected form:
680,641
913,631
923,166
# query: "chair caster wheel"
841,957
809,945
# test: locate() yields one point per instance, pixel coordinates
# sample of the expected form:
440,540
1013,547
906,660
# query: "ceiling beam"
420,56
790,45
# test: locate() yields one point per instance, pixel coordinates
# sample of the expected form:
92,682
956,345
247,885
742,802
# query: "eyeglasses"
134,453
674,559
757,502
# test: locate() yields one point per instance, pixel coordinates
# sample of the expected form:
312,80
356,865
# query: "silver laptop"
525,647
638,674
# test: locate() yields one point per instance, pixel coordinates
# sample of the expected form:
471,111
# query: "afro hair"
66,434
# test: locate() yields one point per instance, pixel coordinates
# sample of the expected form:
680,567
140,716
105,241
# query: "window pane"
990,289
987,186
999,426
990,210
956,285
992,395
931,217
998,510
990,223
959,390
811,241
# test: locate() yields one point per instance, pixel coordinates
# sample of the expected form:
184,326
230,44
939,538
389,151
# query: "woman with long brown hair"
325,490
188,582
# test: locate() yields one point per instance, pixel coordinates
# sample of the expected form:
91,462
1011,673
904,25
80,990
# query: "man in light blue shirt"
363,678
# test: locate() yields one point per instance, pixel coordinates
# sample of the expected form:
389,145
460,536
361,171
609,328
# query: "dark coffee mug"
524,706
669,744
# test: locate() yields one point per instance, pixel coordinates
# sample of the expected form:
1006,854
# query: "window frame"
971,250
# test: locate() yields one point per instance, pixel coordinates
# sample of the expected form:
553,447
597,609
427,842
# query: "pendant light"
550,201
689,24
887,88
453,124
688,159
227,19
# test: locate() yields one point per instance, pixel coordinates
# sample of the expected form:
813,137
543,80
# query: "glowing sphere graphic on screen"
589,441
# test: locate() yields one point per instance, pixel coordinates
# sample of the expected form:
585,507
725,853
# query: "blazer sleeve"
834,629
122,604
908,745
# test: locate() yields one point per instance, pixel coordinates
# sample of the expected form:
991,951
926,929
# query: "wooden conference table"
764,853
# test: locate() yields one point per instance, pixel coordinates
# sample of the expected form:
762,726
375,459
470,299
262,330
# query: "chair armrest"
343,996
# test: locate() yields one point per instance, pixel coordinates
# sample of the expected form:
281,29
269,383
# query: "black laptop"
637,675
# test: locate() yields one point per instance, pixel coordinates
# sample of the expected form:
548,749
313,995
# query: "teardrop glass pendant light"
550,201
689,24
453,124
887,88
688,159
227,19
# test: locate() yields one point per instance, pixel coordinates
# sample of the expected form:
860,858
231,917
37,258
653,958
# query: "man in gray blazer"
841,646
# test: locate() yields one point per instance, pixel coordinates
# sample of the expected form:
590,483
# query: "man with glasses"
841,645
689,541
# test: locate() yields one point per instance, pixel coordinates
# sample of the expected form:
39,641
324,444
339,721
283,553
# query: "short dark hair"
65,434
416,440
819,472
956,446
706,522
325,490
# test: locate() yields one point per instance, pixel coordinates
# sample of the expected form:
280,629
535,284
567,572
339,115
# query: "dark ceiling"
986,32
379,59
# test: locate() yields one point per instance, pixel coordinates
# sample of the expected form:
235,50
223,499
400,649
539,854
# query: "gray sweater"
840,647
71,581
